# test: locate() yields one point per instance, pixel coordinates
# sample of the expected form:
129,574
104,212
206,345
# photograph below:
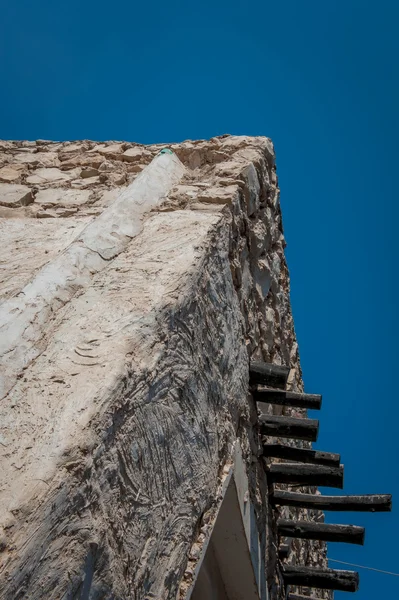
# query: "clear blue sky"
321,79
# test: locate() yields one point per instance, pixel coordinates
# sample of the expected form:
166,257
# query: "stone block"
47,159
73,147
43,159
117,178
88,172
136,155
135,168
85,183
59,197
26,158
49,175
111,151
218,195
13,195
71,160
9,175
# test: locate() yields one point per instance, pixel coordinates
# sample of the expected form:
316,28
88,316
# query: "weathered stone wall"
116,435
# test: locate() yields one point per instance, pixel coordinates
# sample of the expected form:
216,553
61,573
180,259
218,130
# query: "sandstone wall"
116,431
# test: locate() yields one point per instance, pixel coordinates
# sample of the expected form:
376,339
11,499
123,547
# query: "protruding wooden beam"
268,374
309,530
289,427
370,503
271,396
306,474
300,597
316,457
327,579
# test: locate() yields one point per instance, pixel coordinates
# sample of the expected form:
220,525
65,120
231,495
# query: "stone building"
137,284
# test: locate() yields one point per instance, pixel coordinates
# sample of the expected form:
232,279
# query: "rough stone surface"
59,197
49,175
8,174
117,427
13,195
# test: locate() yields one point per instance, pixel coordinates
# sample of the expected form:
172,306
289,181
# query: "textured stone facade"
118,425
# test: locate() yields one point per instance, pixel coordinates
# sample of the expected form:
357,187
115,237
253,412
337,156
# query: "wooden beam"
316,457
268,374
271,396
309,530
300,597
370,503
289,427
327,579
306,474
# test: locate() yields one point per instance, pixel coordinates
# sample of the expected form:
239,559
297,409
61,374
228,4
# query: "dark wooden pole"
327,579
371,503
306,474
289,427
308,530
268,374
300,597
315,457
284,398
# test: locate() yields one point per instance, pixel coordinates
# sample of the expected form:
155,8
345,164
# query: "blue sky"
321,79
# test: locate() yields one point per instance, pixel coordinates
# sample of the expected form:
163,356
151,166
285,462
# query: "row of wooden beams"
327,579
283,398
300,597
301,474
365,503
303,455
309,468
289,427
268,374
309,530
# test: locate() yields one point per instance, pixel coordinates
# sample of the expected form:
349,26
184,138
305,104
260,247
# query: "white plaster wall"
25,317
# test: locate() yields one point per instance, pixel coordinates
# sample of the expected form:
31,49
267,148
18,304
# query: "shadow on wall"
226,570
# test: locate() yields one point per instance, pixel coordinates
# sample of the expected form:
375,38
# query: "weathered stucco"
130,390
